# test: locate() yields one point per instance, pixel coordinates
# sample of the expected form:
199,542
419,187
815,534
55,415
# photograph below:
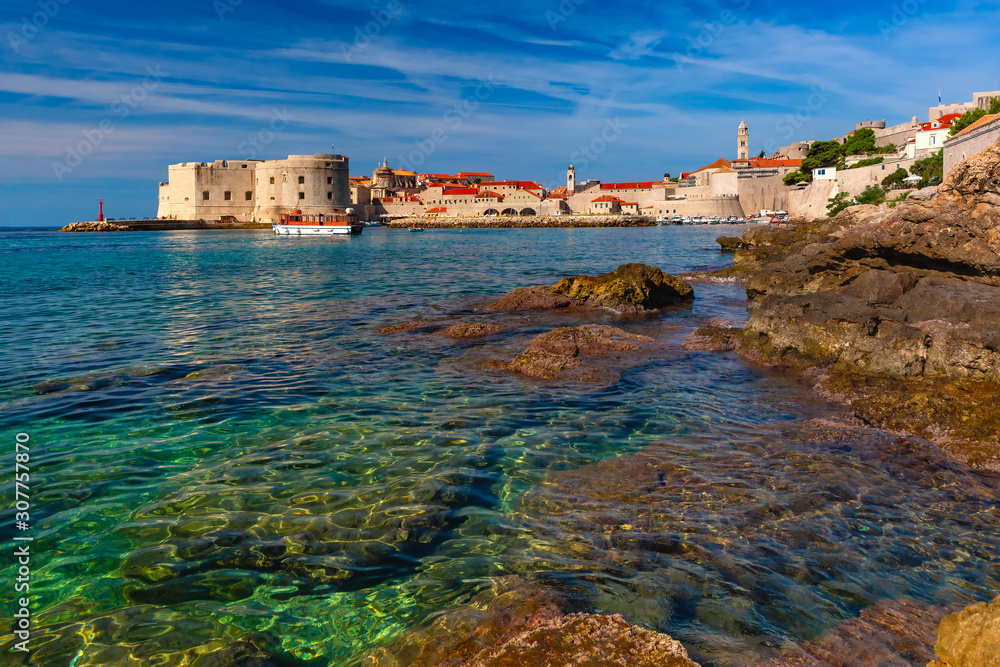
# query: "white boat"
298,224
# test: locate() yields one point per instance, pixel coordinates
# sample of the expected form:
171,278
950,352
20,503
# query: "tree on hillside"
970,117
930,169
861,142
821,154
895,179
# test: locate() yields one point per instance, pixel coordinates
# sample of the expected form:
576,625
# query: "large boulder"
631,288
970,637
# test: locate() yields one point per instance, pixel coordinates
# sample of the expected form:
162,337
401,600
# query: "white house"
825,174
931,136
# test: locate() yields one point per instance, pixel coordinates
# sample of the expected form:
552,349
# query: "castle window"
205,195
244,166
272,198
228,196
249,196
329,180
329,195
302,180
302,195
272,180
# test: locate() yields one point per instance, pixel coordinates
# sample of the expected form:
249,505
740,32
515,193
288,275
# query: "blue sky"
515,88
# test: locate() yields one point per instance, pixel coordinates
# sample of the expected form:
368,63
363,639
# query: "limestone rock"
531,298
520,623
472,330
890,634
729,243
632,288
557,354
970,637
94,227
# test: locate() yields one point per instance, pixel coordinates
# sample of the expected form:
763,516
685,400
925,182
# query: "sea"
222,442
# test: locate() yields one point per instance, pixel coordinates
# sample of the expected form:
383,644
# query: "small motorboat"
416,229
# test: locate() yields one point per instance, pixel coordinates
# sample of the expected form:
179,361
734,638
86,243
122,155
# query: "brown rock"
400,328
729,243
472,330
631,288
521,624
531,298
970,637
558,353
890,634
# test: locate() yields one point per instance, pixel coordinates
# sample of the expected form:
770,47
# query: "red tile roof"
490,194
760,163
442,209
523,185
718,164
608,198
985,120
462,191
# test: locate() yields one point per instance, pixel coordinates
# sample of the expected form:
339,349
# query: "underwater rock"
393,329
472,330
557,354
219,538
893,633
519,623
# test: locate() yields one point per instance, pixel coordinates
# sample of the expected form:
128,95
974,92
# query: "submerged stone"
558,353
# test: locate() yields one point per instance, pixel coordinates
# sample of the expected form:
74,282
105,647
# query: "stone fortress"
255,190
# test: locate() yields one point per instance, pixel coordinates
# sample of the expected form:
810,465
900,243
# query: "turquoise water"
223,445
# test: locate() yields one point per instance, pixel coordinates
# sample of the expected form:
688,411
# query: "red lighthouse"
100,215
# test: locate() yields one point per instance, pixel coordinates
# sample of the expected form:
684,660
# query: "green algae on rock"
632,289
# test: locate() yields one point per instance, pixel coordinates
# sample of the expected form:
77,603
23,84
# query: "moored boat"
298,224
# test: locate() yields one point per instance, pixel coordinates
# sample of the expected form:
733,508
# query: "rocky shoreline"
893,311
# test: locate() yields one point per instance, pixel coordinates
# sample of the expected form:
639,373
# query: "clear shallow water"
223,444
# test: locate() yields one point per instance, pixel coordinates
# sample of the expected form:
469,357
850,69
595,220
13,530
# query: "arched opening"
492,212
509,211
528,212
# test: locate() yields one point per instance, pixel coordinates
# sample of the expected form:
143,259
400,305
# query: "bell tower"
571,180
744,141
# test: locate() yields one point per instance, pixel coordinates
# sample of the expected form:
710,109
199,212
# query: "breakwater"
157,225
533,221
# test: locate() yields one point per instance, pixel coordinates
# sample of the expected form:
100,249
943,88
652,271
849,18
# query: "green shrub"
895,179
868,163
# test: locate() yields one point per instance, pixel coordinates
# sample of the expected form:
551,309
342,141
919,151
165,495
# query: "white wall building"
825,174
255,191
